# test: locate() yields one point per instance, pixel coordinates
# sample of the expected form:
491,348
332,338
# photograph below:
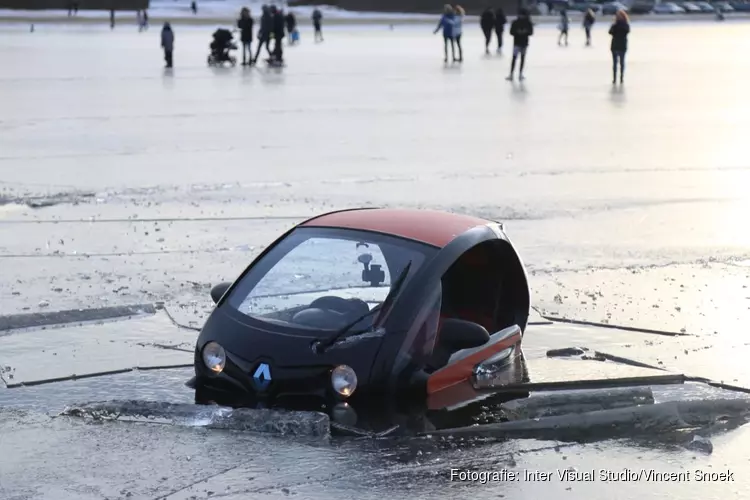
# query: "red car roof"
428,226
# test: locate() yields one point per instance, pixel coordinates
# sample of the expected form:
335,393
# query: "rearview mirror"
457,334
219,290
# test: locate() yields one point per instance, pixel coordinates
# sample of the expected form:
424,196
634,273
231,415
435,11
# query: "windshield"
325,278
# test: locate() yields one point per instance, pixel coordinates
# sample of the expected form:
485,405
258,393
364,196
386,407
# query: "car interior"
476,288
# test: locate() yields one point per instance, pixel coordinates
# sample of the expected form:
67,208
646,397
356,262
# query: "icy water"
124,184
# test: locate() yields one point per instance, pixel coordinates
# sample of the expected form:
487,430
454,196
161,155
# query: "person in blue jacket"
446,23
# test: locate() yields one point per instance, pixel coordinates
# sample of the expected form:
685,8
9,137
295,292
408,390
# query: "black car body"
413,305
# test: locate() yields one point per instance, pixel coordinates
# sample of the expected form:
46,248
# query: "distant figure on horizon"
563,27
167,43
245,25
588,21
458,22
520,29
112,18
194,7
446,24
487,23
139,20
500,21
619,30
719,12
317,18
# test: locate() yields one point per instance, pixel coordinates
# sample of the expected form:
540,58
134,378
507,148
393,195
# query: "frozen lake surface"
121,183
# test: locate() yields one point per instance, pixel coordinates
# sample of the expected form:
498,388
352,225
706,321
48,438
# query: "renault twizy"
362,306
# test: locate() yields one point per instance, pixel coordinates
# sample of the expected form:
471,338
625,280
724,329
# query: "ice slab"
570,402
34,356
66,318
618,422
286,423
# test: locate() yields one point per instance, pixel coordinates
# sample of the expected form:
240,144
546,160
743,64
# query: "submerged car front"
303,324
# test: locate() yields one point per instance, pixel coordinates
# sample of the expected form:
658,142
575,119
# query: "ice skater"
167,43
446,24
588,21
245,25
563,27
458,23
500,21
487,23
264,32
619,31
194,7
317,19
520,29
112,19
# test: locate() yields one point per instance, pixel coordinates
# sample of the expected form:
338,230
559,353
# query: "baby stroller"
220,48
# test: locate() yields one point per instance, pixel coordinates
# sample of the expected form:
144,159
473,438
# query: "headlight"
344,380
214,357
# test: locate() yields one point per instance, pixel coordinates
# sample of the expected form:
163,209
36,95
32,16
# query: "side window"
472,287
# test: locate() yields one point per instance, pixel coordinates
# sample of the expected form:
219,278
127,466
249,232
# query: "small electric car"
368,305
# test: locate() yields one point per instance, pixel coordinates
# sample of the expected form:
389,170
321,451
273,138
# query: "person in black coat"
291,22
317,19
245,25
588,21
619,31
264,32
278,30
500,21
520,29
487,22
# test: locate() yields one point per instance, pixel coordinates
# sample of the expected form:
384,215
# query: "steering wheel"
349,307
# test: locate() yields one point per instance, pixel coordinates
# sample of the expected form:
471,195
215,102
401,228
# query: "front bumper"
288,386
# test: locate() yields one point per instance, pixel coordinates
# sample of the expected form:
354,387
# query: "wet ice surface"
627,205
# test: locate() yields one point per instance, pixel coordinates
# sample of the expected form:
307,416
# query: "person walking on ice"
245,24
458,22
167,43
563,27
520,29
619,30
317,18
264,32
588,22
446,23
487,23
500,22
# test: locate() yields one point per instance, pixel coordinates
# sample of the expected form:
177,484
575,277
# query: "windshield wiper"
322,345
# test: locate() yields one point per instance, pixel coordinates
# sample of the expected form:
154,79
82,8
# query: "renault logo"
262,376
